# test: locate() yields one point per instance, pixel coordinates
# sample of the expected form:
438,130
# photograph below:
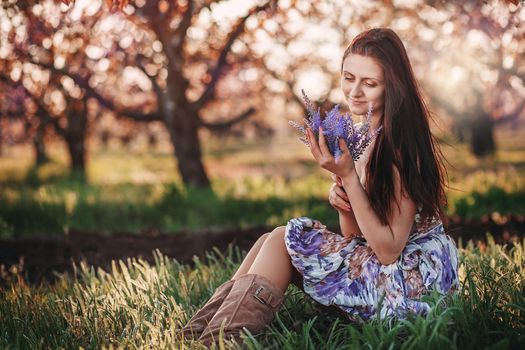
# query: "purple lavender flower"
336,126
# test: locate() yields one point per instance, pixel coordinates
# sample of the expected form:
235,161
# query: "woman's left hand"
344,165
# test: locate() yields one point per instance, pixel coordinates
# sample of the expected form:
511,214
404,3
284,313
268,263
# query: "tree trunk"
75,136
182,122
40,152
77,155
38,144
482,135
187,149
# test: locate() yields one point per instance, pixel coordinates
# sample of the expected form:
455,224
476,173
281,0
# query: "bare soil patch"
38,258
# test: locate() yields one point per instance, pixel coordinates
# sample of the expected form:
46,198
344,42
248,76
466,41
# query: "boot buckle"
256,295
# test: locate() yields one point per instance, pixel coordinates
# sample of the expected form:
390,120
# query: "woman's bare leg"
250,257
273,260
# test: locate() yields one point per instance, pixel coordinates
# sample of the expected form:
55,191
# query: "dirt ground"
37,258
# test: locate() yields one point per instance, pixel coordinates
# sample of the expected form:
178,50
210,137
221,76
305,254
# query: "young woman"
393,248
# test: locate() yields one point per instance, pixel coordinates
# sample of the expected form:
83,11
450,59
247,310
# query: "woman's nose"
356,90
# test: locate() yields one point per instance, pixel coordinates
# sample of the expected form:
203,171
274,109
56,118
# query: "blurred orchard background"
135,132
162,118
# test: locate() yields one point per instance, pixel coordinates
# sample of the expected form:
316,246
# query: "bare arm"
348,224
387,244
387,241
339,200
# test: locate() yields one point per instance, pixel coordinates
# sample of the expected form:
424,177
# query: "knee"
277,235
262,238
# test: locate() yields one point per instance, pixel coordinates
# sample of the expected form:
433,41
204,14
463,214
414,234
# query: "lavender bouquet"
336,126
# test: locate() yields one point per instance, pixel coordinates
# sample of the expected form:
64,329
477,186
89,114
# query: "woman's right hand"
337,196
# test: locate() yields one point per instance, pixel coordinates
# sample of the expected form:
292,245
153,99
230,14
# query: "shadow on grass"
73,205
48,173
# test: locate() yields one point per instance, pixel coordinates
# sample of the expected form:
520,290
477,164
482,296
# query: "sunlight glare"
402,23
133,75
60,62
46,43
426,34
477,38
37,76
125,42
157,46
103,64
508,62
4,51
313,81
249,74
457,74
81,6
16,73
518,85
406,3
58,38
232,9
95,52
5,26
37,9
448,28
489,76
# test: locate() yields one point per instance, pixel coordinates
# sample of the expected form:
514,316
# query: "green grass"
141,305
55,208
254,183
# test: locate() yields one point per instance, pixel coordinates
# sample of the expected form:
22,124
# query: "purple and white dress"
345,272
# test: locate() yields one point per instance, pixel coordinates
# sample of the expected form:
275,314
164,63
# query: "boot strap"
264,296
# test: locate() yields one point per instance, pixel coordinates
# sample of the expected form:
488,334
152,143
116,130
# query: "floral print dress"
345,272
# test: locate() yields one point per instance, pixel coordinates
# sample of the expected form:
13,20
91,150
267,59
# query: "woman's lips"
357,102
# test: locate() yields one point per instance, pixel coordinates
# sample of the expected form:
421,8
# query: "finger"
337,201
338,181
334,177
322,144
343,147
341,201
342,206
314,147
336,207
332,194
341,193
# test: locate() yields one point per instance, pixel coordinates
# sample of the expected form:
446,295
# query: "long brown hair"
405,142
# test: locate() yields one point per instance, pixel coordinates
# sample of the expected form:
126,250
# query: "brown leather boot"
195,326
252,303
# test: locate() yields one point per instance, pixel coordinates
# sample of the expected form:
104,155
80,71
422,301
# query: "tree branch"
42,111
221,126
208,93
158,91
511,116
83,82
182,29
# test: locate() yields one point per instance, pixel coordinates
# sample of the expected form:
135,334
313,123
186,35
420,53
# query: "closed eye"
367,82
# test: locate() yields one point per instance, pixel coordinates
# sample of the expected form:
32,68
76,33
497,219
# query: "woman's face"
363,83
